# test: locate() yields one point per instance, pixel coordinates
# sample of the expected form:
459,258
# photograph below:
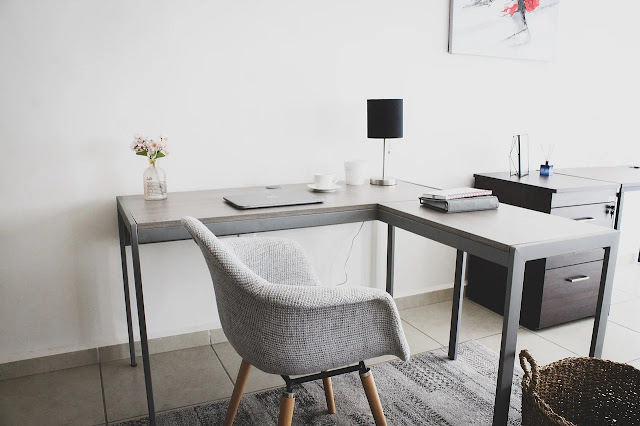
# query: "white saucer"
332,188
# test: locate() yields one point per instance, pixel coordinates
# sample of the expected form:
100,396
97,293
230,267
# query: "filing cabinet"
556,289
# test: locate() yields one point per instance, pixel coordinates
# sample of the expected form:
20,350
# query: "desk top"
502,228
208,206
627,176
558,182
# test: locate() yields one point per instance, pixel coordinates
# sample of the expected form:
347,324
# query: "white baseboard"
103,354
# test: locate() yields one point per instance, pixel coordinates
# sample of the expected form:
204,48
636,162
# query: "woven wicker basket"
578,392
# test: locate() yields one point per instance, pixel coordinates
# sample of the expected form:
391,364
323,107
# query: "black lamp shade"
384,118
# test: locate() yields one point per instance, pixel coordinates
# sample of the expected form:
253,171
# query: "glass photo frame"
519,156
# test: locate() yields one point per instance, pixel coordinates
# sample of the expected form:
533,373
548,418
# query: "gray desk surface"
208,206
626,176
558,182
506,227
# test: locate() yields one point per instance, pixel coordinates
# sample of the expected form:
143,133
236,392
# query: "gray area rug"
428,390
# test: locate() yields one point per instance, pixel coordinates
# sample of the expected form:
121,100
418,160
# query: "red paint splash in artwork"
529,5
511,10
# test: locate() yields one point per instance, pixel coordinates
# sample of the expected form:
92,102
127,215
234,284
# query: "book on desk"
455,193
457,200
459,205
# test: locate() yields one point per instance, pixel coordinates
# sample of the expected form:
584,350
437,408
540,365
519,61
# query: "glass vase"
155,182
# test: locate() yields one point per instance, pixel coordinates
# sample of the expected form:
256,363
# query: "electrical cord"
346,275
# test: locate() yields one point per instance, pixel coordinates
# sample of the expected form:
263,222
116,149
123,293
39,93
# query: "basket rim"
567,361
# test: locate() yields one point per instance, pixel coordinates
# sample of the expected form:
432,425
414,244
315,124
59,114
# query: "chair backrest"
233,282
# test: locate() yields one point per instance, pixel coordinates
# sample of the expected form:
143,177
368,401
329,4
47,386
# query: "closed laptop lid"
273,198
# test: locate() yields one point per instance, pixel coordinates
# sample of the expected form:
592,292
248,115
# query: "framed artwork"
520,29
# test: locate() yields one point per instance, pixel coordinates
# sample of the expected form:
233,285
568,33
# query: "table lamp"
384,121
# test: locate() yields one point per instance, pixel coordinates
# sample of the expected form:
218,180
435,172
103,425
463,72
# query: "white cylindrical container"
355,172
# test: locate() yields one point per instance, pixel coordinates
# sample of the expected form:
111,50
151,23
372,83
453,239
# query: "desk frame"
514,260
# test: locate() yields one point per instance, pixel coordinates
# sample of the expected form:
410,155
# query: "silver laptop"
274,198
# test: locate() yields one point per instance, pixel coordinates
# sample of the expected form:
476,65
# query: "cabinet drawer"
596,214
570,293
574,258
573,198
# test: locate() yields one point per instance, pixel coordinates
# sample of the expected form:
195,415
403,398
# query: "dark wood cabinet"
556,289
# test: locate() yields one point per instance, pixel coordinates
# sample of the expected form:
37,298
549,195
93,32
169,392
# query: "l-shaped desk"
509,236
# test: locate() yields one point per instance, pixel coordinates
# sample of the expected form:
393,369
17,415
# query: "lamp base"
386,181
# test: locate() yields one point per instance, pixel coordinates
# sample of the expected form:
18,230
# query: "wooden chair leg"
238,389
286,409
374,400
328,394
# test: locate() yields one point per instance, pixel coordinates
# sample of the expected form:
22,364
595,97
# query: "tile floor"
114,391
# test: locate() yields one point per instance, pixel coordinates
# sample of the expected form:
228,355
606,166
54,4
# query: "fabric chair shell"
280,319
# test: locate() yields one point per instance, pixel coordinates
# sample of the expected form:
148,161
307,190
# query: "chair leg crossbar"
367,383
323,375
287,401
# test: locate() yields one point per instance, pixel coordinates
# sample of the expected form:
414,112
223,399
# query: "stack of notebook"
460,200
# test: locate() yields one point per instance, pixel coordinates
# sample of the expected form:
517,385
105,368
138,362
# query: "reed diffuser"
546,169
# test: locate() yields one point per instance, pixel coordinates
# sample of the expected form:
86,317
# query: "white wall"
252,93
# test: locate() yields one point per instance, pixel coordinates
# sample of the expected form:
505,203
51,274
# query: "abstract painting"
522,29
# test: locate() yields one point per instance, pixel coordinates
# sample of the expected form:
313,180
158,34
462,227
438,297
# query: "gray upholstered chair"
279,318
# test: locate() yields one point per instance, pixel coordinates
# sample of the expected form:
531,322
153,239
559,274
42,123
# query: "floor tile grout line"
543,338
555,343
418,330
552,342
447,343
490,311
572,351
624,301
633,298
532,331
195,405
233,382
430,337
48,372
104,399
467,300
623,291
623,326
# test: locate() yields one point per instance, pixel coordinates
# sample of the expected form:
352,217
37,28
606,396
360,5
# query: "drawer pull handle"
577,278
585,219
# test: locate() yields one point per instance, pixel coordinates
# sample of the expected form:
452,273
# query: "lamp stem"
384,180
384,158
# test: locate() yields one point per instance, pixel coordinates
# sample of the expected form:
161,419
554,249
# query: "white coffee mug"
324,180
355,172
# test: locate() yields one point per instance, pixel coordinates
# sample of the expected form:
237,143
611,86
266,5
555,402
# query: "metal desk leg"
391,245
604,300
456,309
143,324
618,219
513,299
125,280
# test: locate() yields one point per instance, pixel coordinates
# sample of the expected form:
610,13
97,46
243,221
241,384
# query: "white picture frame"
518,29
